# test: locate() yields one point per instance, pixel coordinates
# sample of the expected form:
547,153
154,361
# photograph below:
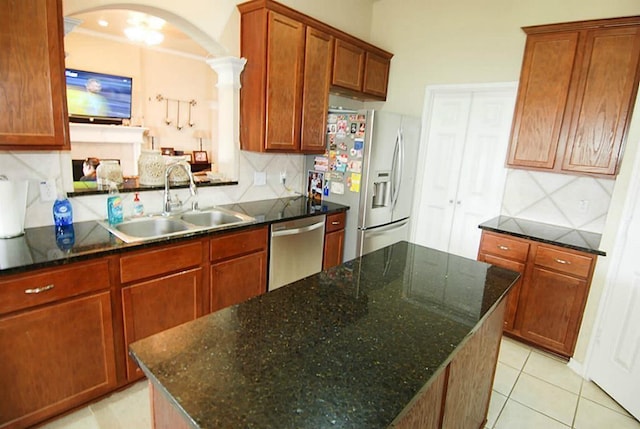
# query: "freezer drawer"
377,238
296,250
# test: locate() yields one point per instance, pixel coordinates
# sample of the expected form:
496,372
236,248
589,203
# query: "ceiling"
117,19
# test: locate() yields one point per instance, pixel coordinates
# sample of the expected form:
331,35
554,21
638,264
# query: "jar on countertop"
109,171
151,168
178,175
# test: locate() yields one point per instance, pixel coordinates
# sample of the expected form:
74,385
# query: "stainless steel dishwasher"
296,250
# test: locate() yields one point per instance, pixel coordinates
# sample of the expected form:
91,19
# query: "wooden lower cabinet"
238,267
333,240
545,307
54,358
158,304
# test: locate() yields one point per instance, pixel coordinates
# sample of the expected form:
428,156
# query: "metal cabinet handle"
335,222
39,289
501,247
562,261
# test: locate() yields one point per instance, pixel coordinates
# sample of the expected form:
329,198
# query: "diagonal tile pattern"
572,201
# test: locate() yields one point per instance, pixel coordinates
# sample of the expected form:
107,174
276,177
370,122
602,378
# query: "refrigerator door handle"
396,171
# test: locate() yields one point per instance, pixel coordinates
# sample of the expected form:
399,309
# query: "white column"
228,70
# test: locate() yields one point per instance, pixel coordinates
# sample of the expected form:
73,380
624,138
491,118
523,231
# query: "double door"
467,132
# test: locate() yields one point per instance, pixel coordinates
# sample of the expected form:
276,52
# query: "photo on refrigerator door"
315,184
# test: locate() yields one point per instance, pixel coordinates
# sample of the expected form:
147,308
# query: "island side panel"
458,398
164,415
471,375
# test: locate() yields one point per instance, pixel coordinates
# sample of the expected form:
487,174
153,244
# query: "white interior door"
445,131
465,143
615,359
483,173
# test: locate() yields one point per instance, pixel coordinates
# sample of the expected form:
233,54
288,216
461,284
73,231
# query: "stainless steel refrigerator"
369,165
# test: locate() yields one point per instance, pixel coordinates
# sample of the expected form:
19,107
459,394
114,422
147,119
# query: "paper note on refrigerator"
355,182
337,188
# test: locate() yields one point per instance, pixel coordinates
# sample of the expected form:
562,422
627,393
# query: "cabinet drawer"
566,262
149,263
497,244
236,244
335,222
52,285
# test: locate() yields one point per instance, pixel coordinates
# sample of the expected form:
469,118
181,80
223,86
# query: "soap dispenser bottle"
138,207
62,211
114,205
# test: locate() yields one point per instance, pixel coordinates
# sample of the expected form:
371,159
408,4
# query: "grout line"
540,412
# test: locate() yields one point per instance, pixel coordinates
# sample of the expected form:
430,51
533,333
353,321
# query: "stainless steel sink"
213,218
158,226
151,227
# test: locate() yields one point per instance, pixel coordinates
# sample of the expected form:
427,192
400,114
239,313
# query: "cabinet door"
551,309
348,65
315,97
159,304
514,293
542,98
236,280
33,101
285,61
606,90
333,249
54,358
376,75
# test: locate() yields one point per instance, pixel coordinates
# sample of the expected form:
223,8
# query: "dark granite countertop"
348,347
40,247
545,233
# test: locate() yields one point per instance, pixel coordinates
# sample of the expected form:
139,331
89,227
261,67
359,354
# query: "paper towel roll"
14,252
13,194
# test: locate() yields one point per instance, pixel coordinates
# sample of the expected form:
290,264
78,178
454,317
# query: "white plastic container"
13,195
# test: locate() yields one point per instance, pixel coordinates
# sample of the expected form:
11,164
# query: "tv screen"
102,97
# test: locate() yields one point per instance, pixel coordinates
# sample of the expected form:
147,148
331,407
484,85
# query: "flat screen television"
98,97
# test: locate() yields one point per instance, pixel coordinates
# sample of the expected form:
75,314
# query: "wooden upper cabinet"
577,90
348,66
315,96
32,84
605,94
293,62
542,97
285,64
376,75
359,70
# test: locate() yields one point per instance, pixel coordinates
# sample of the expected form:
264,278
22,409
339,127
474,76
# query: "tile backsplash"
39,166
572,201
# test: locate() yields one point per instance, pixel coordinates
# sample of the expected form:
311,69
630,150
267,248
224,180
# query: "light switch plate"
259,178
48,190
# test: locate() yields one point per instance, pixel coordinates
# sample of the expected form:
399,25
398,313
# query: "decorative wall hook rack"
168,120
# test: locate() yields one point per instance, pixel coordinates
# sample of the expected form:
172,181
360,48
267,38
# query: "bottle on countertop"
62,211
138,207
114,205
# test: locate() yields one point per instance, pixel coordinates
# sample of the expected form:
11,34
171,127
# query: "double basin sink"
159,226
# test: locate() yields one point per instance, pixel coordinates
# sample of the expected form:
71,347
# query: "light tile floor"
531,390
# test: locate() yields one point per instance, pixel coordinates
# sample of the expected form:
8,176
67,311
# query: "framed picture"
315,184
167,151
200,156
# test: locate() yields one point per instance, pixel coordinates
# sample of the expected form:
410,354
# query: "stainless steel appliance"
370,165
296,250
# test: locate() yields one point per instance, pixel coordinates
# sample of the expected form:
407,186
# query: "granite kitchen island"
403,337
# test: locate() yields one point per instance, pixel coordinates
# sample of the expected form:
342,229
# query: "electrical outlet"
584,206
259,178
48,190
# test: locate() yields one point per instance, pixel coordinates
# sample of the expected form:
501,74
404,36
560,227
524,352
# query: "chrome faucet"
168,205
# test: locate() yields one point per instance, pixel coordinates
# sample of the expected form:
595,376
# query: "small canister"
151,168
109,171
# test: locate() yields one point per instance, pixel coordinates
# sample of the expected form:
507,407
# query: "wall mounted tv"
98,97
